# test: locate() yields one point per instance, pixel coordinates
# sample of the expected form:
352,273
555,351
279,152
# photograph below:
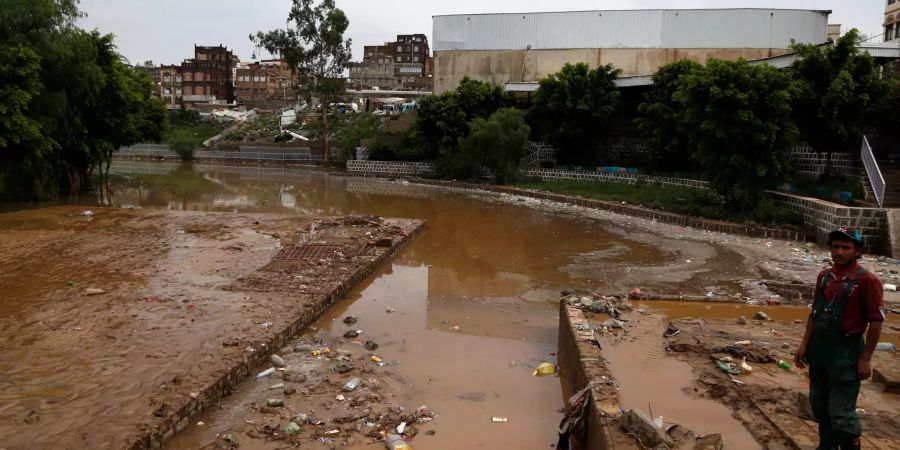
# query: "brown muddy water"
494,270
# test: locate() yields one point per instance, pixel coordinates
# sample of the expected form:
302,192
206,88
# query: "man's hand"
800,357
864,368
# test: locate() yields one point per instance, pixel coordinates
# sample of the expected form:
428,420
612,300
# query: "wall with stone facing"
628,178
821,217
389,168
808,162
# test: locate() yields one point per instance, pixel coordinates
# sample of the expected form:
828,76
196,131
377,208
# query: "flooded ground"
475,297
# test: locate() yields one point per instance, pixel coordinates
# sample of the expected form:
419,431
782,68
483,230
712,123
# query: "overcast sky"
165,31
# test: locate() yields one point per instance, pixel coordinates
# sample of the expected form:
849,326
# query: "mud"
766,400
186,297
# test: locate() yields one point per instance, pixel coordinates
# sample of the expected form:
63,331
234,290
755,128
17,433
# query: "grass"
686,201
201,130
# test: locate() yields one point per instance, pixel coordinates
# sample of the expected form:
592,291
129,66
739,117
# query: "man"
848,299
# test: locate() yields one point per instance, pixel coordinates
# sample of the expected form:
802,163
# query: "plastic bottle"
886,347
352,384
396,442
784,364
747,342
265,373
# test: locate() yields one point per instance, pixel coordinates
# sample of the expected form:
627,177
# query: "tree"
497,144
737,117
572,109
315,49
658,121
442,120
837,85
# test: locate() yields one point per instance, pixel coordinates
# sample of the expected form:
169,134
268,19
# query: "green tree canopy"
496,143
837,84
737,117
442,120
315,49
572,110
659,113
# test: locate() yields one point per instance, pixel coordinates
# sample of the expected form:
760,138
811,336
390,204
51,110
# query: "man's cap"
846,234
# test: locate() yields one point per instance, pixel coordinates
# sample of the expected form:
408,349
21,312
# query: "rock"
760,316
742,320
350,320
804,409
613,323
683,437
342,366
289,391
710,442
277,360
651,436
351,334
303,348
371,345
431,432
94,291
291,429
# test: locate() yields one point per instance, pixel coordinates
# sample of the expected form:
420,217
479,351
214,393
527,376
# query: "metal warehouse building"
525,47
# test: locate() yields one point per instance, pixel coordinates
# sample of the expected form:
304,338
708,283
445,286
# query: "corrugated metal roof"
657,28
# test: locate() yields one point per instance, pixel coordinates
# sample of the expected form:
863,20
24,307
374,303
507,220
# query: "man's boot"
850,443
826,441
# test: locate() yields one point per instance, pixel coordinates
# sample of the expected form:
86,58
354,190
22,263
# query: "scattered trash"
277,360
342,366
634,293
320,352
332,432
499,419
746,367
371,345
890,287
544,369
265,325
671,330
744,343
736,381
94,291
352,334
784,364
352,384
277,386
291,429
613,323
200,424
728,368
742,320
658,421
87,213
350,320
726,359
389,310
274,402
340,398
375,358
455,328
886,347
760,316
396,442
265,373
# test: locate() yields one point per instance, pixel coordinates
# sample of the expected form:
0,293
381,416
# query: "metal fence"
876,179
259,153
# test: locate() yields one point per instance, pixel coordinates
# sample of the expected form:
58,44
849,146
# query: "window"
889,32
399,48
891,2
416,58
415,48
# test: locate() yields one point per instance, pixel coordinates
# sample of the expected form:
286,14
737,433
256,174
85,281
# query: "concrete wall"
501,66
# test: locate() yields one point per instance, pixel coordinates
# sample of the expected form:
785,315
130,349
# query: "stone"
651,436
742,320
342,366
804,409
350,320
291,429
710,442
760,316
613,323
290,391
683,437
303,348
371,345
277,360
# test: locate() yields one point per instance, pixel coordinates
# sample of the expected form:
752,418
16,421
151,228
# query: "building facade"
264,81
209,75
892,21
526,47
405,64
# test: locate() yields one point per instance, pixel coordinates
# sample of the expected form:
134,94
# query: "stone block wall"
821,217
808,162
628,178
389,168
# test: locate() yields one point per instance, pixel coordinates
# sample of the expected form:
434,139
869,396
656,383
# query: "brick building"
166,82
208,76
404,64
264,81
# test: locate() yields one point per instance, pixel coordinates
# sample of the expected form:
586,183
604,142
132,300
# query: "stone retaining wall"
822,217
627,178
810,163
581,362
389,169
153,438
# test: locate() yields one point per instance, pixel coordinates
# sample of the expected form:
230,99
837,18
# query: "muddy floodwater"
475,298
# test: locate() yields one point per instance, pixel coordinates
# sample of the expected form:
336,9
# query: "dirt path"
187,297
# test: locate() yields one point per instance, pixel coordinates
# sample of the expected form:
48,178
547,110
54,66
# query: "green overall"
833,356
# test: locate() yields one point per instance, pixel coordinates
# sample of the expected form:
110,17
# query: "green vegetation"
692,202
315,49
67,101
496,144
572,110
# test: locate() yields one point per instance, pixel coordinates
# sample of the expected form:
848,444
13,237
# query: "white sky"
165,31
